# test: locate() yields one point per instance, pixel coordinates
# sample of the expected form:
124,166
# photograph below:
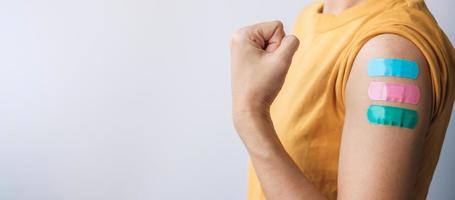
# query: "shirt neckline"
327,21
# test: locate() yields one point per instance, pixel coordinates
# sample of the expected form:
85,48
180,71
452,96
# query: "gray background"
129,99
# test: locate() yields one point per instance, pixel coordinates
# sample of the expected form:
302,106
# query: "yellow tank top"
308,113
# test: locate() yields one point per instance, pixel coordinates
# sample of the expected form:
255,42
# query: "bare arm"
261,55
380,161
279,176
375,160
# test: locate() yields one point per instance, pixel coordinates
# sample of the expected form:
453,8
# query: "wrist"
257,132
254,125
251,105
250,112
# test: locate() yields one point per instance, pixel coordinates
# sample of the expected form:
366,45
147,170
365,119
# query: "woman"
360,107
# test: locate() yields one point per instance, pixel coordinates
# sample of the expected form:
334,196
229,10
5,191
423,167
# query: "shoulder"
391,45
397,50
387,114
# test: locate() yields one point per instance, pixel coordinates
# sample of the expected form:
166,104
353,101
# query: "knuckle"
277,23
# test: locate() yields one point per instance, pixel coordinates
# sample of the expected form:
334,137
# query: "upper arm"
381,161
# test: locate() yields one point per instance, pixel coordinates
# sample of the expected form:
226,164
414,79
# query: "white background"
130,99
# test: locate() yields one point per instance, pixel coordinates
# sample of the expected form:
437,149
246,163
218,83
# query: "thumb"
287,48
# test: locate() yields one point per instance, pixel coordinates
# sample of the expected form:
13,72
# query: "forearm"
260,58
279,176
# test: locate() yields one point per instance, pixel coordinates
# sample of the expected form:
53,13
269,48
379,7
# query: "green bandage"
392,116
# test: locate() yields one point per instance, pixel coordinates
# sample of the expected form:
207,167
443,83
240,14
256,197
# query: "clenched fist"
260,58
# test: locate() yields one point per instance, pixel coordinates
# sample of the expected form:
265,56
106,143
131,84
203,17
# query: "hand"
260,58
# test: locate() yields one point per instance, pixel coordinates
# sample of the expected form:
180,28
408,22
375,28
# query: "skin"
337,6
376,162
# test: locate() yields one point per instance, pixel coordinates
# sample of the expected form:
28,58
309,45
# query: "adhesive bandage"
392,116
394,92
393,67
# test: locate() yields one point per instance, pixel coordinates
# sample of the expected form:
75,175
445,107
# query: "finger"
268,35
288,47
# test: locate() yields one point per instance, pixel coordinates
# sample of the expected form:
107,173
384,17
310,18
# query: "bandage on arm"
387,115
394,92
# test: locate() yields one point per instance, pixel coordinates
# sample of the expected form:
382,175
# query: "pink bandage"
394,92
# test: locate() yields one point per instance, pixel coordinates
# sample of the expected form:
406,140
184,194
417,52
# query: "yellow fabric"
308,113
